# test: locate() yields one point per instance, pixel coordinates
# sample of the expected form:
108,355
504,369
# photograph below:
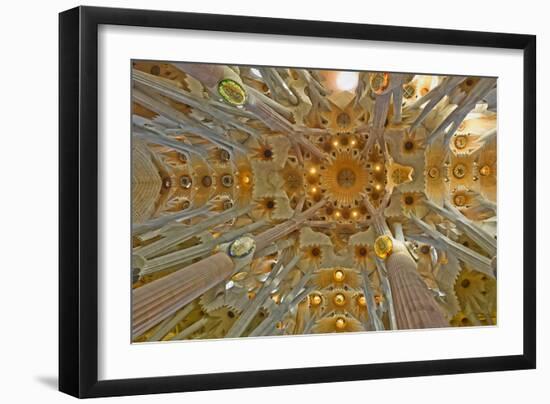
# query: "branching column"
281,230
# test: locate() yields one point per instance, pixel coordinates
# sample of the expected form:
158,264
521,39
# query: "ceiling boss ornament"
383,246
241,247
232,92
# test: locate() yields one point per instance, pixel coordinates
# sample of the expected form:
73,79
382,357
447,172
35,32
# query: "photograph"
242,202
277,201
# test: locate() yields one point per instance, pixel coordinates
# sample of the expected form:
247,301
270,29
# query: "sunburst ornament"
412,203
412,144
461,320
313,256
264,152
361,255
345,179
472,290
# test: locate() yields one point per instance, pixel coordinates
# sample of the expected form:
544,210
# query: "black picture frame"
78,200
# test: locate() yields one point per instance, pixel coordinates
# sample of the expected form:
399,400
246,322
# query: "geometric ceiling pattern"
282,201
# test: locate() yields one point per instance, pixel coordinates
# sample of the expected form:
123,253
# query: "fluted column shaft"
159,299
414,305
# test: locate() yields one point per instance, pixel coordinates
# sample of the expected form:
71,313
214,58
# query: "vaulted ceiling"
277,201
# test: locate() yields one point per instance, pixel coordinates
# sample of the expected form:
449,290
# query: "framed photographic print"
251,201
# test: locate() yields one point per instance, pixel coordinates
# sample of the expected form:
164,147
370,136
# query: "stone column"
159,299
414,304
